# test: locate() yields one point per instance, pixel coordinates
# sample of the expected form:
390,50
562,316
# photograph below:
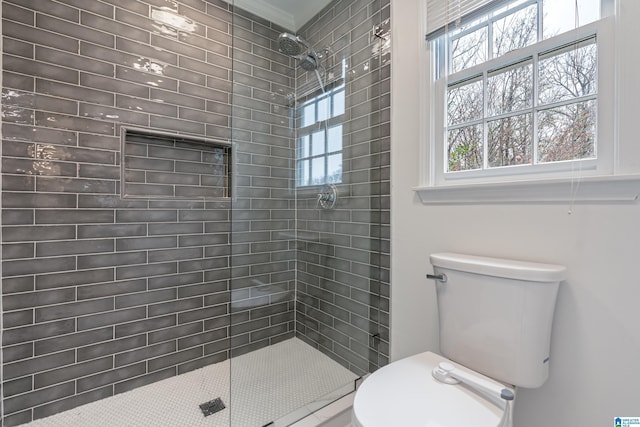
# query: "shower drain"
212,406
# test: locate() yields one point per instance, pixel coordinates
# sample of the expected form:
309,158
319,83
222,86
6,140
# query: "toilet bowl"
405,394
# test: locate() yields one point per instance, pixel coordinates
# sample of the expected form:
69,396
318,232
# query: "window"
319,138
517,90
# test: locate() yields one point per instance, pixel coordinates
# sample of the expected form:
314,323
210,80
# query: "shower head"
292,45
297,47
309,62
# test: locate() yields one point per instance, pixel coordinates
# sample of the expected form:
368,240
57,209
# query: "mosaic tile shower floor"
267,384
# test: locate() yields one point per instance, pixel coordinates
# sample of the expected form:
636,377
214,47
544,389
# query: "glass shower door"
309,263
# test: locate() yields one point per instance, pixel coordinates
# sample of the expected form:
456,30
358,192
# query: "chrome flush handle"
439,277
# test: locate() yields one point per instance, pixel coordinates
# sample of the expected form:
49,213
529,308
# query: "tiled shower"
151,220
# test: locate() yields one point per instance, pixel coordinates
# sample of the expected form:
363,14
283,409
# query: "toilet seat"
405,394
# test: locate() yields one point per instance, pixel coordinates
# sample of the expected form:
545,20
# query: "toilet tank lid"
499,267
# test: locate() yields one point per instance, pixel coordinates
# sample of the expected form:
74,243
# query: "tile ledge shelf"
594,189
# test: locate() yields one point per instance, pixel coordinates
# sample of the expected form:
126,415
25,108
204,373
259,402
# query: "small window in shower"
167,166
319,140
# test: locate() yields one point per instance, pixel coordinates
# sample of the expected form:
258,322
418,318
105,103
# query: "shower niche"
158,165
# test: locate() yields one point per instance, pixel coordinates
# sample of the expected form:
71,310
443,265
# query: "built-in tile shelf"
161,165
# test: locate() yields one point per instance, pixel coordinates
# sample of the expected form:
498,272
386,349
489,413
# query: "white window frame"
604,161
325,125
572,181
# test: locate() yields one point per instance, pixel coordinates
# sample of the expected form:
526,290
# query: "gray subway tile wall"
343,254
263,230
103,294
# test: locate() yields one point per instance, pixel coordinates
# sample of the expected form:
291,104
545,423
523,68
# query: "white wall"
1,364
595,353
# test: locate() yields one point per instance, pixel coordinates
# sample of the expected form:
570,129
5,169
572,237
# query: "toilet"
495,319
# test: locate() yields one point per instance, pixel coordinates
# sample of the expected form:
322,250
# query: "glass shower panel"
310,220
115,211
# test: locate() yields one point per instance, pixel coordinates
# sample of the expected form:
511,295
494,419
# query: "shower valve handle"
327,199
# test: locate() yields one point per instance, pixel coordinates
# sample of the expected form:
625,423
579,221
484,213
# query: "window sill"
618,188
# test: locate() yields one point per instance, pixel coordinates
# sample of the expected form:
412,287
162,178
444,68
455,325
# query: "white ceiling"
290,14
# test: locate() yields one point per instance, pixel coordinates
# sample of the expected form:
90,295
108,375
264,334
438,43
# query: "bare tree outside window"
568,132
497,114
509,139
469,50
514,31
464,105
465,148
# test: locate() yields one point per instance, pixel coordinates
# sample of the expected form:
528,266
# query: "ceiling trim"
267,11
289,14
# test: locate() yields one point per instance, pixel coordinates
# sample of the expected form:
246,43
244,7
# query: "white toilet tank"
496,315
